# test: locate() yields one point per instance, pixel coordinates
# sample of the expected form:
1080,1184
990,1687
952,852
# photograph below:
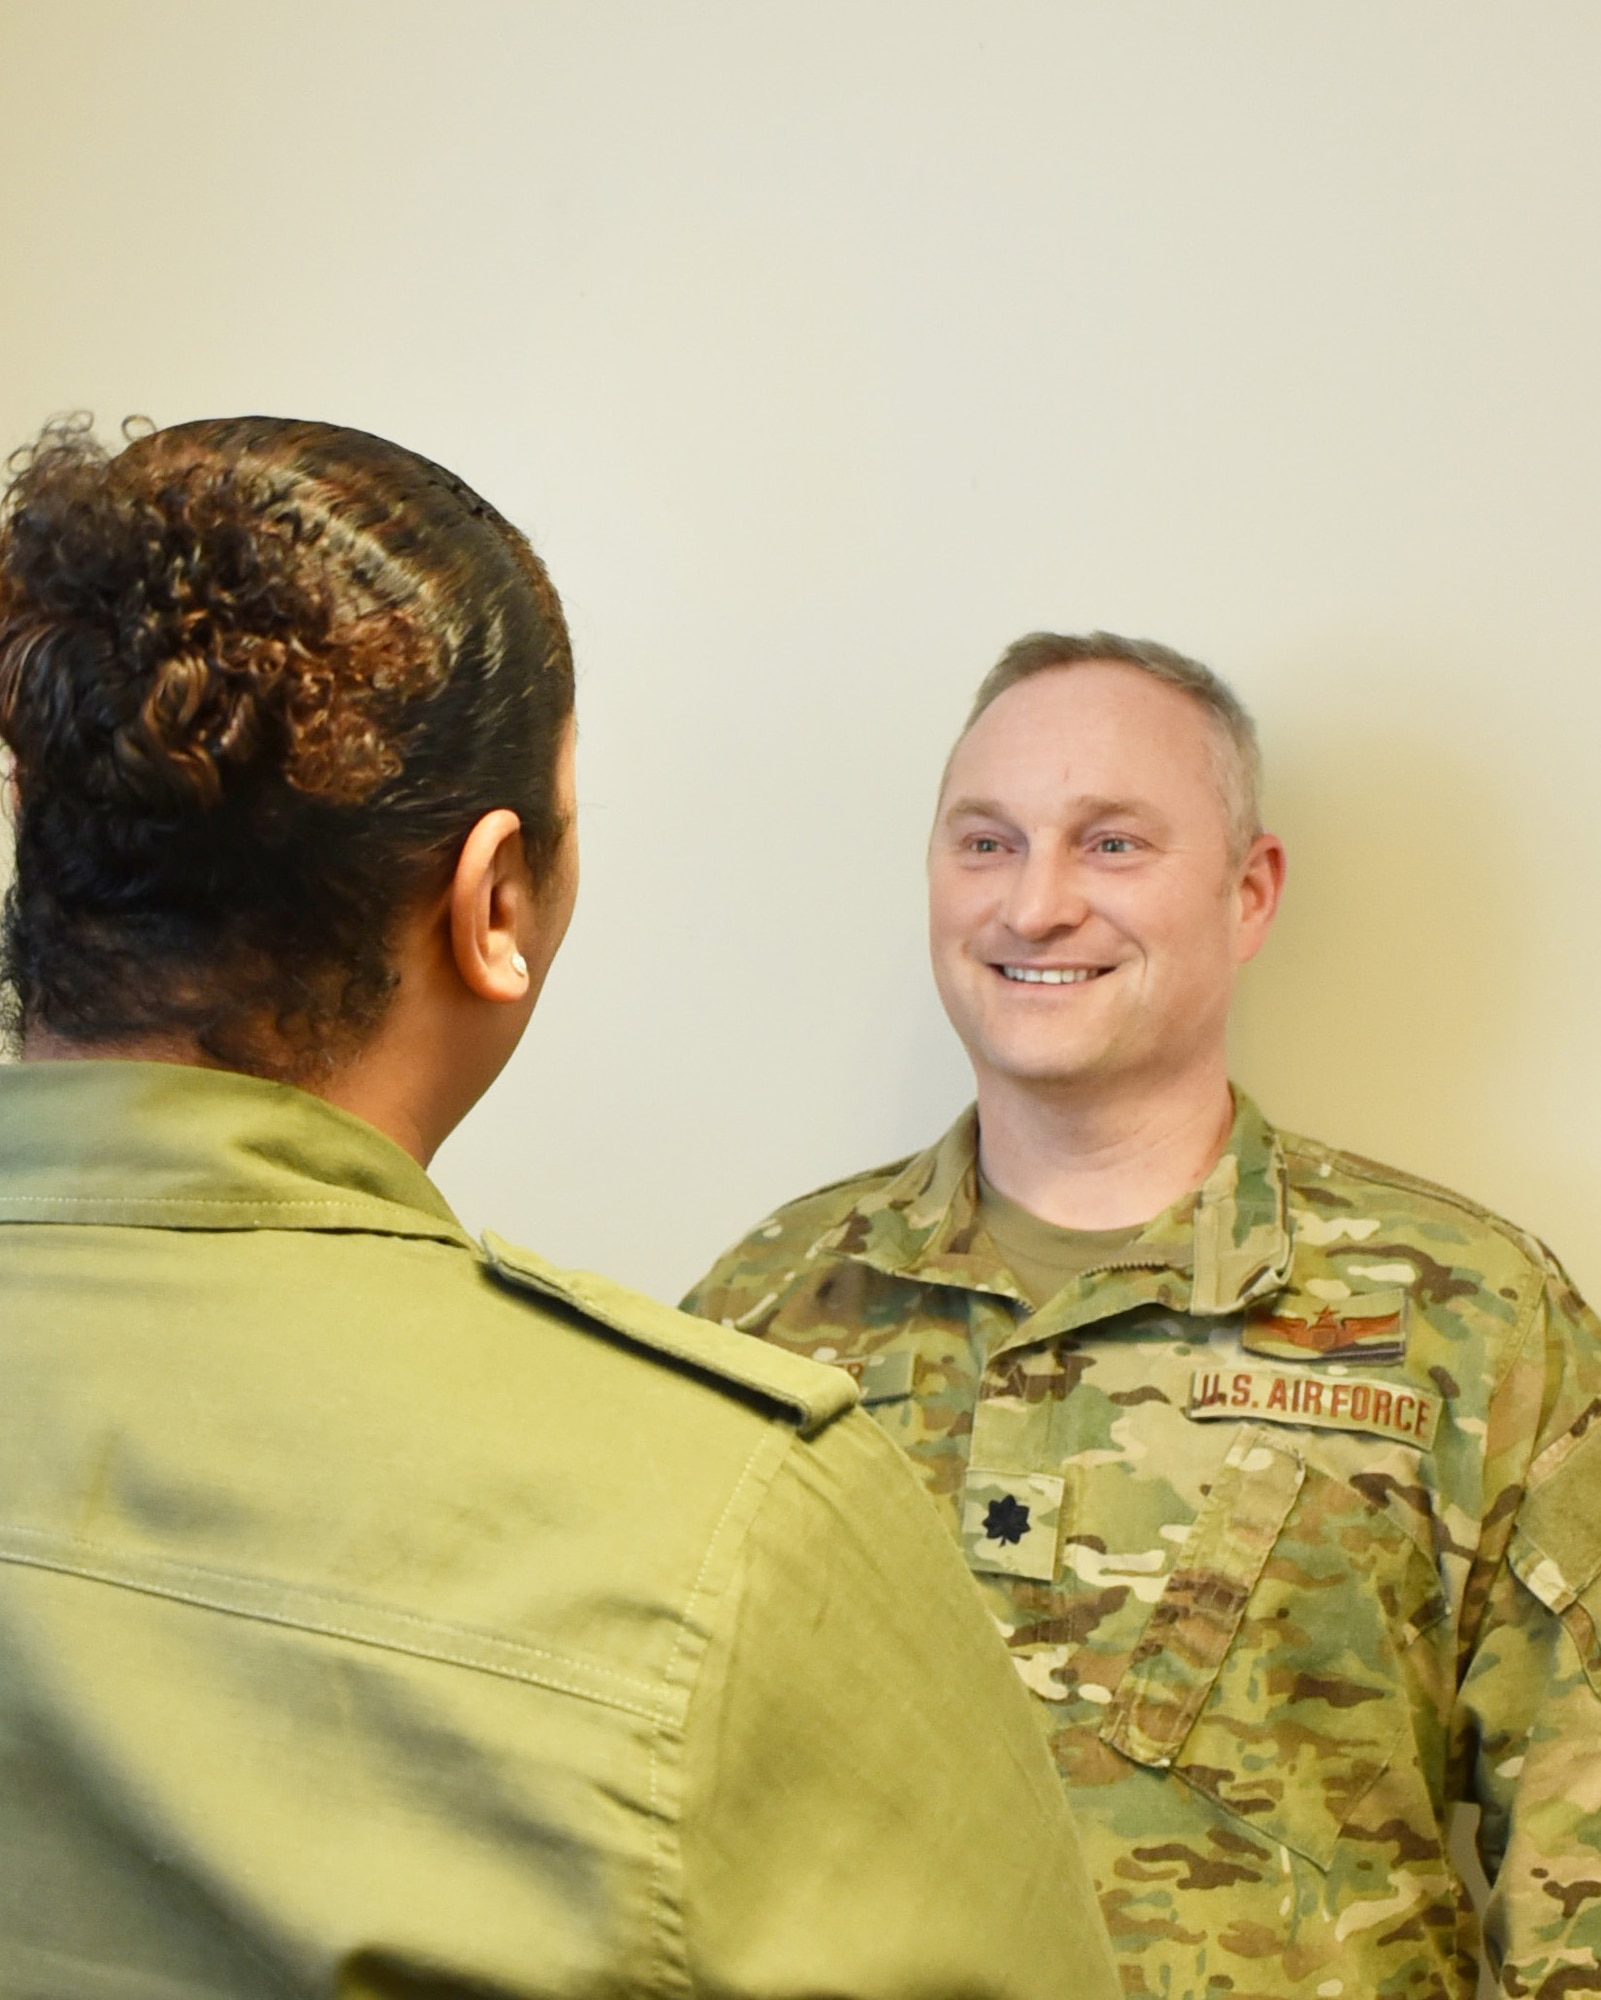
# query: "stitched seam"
223,1576
151,1587
1525,1553
1397,1179
1523,1328
658,1870
698,1586
1514,1531
187,1201
696,1589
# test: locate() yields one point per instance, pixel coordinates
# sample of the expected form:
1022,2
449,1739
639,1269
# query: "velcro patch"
1011,1522
880,1377
1370,1327
1285,1396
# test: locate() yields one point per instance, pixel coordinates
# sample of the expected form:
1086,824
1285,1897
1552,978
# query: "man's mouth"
1052,975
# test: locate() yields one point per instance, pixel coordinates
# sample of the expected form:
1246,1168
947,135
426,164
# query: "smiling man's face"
1086,916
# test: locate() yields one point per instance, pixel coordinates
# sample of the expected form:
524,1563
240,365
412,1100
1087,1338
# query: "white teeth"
1052,975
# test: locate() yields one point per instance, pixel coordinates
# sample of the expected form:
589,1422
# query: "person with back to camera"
1280,1469
380,1615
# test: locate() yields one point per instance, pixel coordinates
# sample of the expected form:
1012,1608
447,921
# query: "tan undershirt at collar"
1041,1256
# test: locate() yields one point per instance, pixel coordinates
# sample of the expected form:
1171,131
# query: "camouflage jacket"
1291,1517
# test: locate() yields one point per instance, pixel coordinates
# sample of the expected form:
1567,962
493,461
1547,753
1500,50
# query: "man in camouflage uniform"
1281,1471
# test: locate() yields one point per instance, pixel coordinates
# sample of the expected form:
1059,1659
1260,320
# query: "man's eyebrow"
975,809
1109,808
1090,808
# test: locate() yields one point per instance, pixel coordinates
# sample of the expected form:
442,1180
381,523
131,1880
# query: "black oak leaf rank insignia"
1011,1522
1006,1520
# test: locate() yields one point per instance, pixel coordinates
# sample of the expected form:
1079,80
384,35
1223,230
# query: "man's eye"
1114,843
983,843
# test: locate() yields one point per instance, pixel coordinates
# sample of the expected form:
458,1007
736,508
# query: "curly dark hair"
258,679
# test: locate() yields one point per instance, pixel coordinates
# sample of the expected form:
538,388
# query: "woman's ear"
494,910
506,924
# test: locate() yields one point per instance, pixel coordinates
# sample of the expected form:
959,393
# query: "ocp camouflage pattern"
1291,1518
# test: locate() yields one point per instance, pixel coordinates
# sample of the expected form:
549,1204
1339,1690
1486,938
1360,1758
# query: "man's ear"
1260,885
493,909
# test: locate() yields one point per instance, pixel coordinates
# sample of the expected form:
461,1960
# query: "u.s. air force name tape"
1287,1396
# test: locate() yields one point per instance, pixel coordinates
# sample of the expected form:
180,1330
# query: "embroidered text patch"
1283,1396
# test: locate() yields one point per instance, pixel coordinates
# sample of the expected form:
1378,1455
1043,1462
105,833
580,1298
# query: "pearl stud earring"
519,965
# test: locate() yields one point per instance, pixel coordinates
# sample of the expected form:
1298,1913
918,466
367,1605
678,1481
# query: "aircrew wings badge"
1369,1328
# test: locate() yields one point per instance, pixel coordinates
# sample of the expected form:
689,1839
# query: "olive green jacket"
1291,1514
383,1617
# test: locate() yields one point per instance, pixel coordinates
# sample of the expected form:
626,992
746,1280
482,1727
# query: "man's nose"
1046,895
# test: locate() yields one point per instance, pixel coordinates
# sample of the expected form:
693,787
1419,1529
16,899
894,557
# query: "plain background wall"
825,345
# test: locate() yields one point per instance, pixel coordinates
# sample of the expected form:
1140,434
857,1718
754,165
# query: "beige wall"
824,346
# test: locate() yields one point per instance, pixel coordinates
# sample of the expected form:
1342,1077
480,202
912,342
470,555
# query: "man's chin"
1052,1072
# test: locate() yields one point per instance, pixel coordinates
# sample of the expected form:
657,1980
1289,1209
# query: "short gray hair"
1240,757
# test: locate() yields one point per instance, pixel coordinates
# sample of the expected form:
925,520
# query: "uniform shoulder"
1328,1177
770,1254
800,1392
824,1208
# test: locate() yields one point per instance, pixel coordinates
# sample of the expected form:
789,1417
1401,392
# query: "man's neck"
1087,1162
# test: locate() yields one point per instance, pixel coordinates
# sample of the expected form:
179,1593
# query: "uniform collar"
170,1146
1226,1243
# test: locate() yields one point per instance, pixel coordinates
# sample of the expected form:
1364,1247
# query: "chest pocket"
1270,1675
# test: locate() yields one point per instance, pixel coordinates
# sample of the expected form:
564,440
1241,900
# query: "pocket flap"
882,1378
1556,1546
1189,1633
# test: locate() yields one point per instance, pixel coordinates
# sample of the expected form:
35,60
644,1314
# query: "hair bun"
260,676
173,638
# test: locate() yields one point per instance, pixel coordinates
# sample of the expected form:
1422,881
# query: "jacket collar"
170,1146
1222,1245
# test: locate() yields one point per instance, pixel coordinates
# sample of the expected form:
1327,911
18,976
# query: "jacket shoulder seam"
1376,1173
668,1916
852,1184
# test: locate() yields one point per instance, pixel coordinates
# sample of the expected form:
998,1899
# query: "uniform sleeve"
870,1809
1530,1702
711,1296
750,1278
739,1287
